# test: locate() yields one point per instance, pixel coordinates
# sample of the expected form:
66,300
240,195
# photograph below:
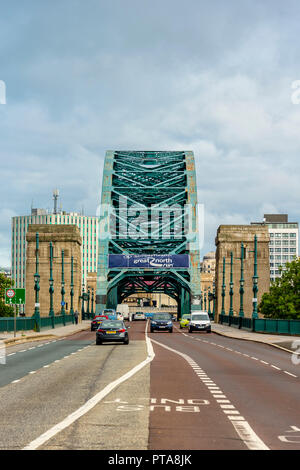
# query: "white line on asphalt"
247,434
93,401
12,354
243,429
275,367
15,381
289,373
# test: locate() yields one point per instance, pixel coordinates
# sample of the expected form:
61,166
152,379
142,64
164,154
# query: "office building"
284,239
88,226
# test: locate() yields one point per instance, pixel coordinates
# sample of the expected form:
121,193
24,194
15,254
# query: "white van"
199,321
123,309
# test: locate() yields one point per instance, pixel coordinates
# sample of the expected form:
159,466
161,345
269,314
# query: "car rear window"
161,316
112,324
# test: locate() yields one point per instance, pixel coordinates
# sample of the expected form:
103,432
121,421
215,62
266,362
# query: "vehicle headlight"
153,322
169,323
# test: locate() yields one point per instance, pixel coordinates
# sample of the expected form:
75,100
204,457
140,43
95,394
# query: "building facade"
208,265
88,227
65,239
284,241
228,240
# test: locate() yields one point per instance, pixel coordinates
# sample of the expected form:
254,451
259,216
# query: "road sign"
10,293
62,304
15,296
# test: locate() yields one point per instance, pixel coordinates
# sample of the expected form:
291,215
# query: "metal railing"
29,323
262,325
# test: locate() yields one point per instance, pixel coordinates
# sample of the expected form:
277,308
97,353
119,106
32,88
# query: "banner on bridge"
149,261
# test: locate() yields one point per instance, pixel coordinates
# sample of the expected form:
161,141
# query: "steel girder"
159,190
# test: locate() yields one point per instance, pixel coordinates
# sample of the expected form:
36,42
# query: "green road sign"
14,296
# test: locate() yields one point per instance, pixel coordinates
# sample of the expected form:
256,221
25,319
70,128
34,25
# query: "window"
278,242
277,235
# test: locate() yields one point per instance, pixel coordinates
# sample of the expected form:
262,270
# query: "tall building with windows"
88,226
284,240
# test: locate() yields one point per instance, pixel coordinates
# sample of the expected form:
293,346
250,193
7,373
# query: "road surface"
192,391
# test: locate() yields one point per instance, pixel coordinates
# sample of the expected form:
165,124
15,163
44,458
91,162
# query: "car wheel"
126,341
208,331
98,342
190,331
171,331
180,327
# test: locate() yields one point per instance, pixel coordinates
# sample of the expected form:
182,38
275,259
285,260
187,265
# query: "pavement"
24,336
284,342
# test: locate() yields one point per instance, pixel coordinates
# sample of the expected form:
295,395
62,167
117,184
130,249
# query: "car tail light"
122,330
101,331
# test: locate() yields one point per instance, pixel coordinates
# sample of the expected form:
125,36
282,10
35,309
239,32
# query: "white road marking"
15,381
242,427
93,401
289,373
275,367
247,434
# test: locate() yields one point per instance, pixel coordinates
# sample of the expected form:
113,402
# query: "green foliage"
6,310
5,283
283,300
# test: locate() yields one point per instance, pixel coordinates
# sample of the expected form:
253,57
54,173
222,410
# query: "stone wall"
63,237
229,238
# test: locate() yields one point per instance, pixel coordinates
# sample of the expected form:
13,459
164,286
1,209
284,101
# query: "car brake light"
101,331
122,330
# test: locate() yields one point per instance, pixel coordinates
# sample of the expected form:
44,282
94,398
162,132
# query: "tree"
5,283
283,300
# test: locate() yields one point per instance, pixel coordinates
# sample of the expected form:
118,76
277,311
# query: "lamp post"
209,300
37,285
205,299
88,302
92,312
201,301
51,288
82,305
223,289
214,299
63,311
231,285
72,290
242,281
255,281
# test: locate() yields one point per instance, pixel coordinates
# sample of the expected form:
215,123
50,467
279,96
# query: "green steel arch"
148,207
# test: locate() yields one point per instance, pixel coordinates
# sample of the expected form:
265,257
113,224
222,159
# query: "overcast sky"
214,77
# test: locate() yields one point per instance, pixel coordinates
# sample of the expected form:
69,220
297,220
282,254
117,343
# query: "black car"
161,321
112,330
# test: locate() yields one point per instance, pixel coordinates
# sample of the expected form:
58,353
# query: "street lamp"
205,299
88,302
63,311
37,285
209,300
255,280
72,290
51,288
231,285
82,304
92,312
242,282
223,289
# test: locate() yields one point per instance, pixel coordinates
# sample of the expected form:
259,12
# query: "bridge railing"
262,325
29,323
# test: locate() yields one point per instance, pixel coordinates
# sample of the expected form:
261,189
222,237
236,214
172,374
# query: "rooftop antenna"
55,197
